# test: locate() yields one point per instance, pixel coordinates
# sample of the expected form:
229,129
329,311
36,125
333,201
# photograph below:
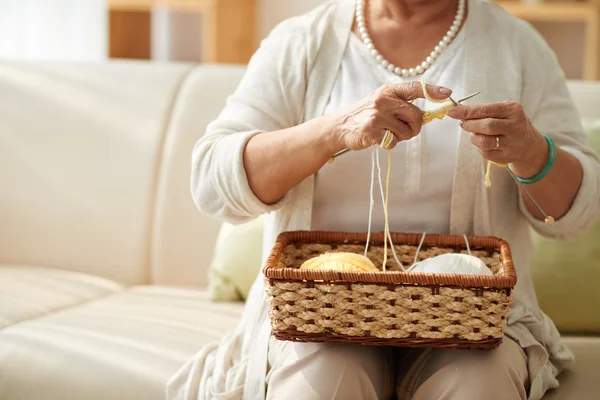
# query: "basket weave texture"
392,308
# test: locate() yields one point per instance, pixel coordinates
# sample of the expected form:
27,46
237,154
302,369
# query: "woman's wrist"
328,135
534,160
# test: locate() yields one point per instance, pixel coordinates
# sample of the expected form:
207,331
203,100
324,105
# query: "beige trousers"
311,371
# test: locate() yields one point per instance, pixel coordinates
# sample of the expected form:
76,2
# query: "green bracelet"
551,158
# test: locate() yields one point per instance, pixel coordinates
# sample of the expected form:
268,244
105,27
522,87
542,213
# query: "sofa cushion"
236,261
566,274
580,382
183,238
30,292
125,346
81,147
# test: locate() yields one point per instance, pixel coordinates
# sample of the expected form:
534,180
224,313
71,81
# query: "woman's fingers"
499,110
395,113
414,90
408,115
388,143
488,149
388,107
400,132
501,131
392,100
486,126
375,133
485,142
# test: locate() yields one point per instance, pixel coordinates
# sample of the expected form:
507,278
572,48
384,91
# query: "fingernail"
444,91
453,114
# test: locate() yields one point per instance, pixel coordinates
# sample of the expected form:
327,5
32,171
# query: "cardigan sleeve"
555,114
269,97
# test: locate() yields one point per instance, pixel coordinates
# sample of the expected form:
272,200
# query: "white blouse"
422,168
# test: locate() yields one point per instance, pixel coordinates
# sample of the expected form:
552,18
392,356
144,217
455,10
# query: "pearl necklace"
420,69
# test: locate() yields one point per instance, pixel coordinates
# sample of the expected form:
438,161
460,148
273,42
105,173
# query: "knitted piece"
438,113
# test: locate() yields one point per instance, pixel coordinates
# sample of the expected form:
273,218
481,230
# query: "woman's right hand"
389,107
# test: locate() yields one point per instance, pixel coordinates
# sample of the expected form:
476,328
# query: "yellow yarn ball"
340,262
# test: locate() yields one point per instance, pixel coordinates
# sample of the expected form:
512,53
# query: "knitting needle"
339,153
549,220
466,98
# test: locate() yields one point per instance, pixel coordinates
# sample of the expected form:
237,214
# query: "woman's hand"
389,107
503,134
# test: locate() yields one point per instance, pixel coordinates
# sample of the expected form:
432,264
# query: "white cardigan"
289,80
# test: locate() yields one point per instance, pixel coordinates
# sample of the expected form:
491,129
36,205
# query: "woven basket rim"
507,280
298,336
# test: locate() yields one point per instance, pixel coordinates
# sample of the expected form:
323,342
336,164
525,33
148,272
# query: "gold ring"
497,143
387,139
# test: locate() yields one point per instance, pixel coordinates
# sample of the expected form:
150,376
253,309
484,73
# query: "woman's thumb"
414,90
436,93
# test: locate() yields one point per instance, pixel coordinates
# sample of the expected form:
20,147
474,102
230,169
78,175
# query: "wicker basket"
394,308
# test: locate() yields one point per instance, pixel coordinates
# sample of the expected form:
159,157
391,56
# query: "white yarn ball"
453,263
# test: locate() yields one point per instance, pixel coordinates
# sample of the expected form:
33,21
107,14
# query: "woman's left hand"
503,134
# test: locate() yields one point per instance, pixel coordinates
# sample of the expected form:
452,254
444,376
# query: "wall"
567,41
65,30
176,36
271,12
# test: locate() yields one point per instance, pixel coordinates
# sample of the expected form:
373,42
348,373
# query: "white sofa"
103,256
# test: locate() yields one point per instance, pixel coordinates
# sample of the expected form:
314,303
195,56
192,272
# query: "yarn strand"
387,220
387,234
488,173
371,199
467,242
417,253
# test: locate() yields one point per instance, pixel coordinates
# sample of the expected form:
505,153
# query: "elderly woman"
340,77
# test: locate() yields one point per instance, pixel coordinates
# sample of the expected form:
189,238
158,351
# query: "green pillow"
236,261
566,274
